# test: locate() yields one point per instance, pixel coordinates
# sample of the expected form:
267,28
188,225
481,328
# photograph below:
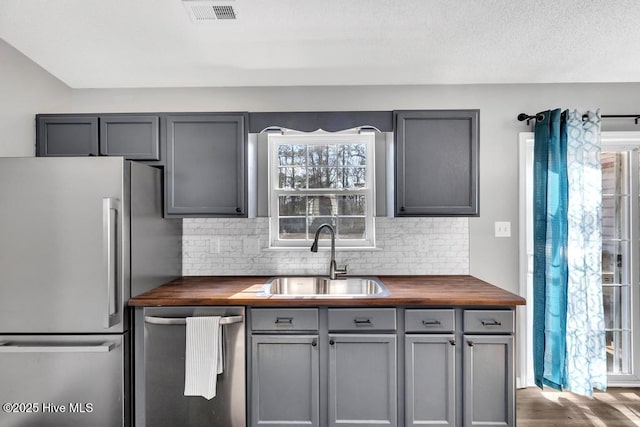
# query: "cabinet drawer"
285,319
358,319
430,320
488,321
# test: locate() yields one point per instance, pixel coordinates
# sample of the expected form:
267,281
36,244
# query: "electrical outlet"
502,229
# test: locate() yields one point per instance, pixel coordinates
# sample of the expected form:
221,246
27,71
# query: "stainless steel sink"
323,287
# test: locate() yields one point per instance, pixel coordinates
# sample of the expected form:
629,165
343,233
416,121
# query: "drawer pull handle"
362,322
470,343
331,342
452,342
284,320
314,343
431,322
491,323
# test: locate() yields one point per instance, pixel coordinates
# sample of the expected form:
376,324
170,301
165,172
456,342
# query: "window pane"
615,218
615,178
292,228
292,155
352,205
615,262
294,177
352,177
292,206
323,177
323,155
612,301
316,222
322,205
352,228
352,155
617,359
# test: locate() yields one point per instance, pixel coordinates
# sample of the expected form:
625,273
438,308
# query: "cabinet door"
284,380
436,163
489,387
134,137
66,136
206,165
430,395
362,380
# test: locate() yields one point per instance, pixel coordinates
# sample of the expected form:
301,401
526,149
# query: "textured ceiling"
153,43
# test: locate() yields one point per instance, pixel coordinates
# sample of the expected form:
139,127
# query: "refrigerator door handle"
7,347
110,256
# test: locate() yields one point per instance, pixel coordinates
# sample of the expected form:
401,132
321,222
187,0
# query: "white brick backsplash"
404,246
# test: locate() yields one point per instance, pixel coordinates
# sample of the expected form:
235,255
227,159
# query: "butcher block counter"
404,291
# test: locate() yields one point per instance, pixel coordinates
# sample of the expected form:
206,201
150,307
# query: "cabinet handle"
362,322
238,210
284,320
431,322
331,342
470,343
314,343
491,323
452,342
401,208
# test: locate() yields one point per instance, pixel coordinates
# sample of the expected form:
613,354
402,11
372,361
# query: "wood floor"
618,407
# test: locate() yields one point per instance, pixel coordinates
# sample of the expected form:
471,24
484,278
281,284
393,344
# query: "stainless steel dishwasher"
159,354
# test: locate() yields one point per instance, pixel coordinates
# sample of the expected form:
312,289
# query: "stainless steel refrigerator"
78,237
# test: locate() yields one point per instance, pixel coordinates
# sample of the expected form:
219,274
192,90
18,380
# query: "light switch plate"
502,228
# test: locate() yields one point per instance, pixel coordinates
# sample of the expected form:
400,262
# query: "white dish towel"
203,356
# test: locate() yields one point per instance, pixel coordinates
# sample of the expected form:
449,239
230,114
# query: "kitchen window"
317,178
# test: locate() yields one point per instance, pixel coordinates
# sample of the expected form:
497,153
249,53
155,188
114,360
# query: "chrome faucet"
333,268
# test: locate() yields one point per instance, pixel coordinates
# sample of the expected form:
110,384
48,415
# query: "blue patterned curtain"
568,327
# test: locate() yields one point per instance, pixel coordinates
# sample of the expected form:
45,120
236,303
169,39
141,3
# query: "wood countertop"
404,291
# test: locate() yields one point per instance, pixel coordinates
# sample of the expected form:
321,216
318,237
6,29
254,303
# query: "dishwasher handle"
226,320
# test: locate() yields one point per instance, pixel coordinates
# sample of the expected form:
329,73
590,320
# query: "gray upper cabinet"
66,136
206,170
133,136
436,163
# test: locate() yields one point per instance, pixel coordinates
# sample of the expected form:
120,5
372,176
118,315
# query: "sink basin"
324,287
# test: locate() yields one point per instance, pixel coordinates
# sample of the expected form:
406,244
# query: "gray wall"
492,259
25,90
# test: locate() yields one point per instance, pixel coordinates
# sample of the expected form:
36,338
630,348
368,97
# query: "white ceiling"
153,43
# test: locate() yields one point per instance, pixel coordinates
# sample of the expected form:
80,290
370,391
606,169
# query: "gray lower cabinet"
488,368
206,167
133,136
362,380
489,388
285,380
436,159
430,380
339,367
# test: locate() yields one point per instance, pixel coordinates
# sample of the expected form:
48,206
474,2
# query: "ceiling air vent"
209,10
